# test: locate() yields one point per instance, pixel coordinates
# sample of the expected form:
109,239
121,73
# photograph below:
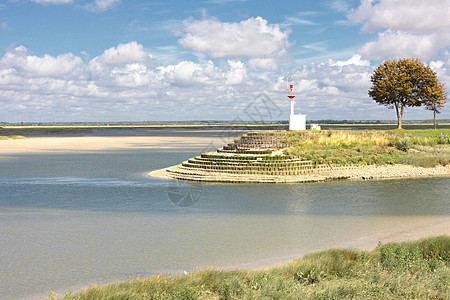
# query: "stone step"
253,164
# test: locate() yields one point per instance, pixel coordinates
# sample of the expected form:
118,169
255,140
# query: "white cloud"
419,28
132,75
263,64
236,74
53,1
299,21
339,5
128,53
20,60
123,83
223,2
188,73
354,60
101,5
249,38
442,69
397,44
418,16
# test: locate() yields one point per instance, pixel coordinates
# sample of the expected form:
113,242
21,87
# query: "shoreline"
417,233
371,172
431,226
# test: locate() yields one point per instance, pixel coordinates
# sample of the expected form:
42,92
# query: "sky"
178,60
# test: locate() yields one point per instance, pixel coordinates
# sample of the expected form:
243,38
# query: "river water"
70,220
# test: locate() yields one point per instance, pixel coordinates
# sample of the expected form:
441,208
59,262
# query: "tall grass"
425,148
410,270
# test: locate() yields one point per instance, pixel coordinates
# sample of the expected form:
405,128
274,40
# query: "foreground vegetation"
426,148
409,270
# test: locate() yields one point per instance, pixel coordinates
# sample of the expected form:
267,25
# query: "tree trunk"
399,116
434,118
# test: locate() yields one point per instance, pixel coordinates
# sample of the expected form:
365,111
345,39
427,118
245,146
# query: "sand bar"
99,143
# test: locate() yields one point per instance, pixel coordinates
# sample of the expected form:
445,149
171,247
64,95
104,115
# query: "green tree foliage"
406,83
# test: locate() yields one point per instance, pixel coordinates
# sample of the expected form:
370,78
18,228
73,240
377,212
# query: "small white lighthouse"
296,122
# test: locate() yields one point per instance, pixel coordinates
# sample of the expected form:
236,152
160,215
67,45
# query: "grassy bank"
426,148
410,270
11,137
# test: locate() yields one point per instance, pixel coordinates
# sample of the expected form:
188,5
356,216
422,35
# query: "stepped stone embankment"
254,157
258,158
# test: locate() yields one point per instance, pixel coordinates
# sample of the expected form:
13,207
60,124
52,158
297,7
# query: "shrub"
443,139
404,143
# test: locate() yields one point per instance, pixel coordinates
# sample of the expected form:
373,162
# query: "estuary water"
69,220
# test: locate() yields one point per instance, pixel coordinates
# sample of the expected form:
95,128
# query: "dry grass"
426,148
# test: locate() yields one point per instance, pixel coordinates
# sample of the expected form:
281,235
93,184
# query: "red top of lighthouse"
291,91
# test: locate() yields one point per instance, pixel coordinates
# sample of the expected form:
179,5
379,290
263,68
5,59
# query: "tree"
437,101
406,83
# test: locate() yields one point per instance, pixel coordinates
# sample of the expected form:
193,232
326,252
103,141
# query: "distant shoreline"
224,127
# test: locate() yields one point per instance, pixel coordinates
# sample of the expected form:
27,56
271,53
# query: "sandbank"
54,144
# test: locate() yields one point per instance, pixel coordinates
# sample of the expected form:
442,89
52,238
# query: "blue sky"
118,60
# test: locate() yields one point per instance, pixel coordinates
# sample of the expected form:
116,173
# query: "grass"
409,270
426,148
12,137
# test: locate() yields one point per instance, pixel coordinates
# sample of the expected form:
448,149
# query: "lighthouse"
296,122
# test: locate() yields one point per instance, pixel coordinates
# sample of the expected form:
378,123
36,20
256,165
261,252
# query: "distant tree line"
223,123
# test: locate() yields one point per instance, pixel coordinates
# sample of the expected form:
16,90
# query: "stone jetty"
254,157
258,158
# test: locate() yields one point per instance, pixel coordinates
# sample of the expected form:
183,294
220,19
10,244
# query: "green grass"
16,137
409,270
426,148
12,137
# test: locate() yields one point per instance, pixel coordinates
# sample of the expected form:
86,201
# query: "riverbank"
409,270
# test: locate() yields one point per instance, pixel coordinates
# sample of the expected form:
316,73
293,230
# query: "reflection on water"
68,221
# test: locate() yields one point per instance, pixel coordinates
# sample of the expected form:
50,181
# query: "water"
71,220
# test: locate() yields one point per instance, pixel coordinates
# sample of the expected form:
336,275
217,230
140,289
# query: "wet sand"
412,228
